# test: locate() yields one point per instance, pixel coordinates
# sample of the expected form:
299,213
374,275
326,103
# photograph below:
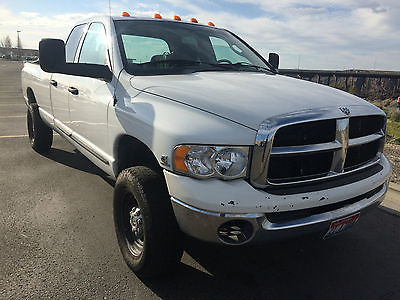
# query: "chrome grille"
308,149
284,168
316,132
361,154
365,125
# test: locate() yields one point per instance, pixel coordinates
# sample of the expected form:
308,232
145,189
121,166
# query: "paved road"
57,238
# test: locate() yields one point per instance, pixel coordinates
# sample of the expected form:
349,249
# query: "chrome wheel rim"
134,229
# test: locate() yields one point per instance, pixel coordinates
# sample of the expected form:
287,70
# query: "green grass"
389,106
393,131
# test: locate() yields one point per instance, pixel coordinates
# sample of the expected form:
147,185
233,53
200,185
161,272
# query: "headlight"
200,161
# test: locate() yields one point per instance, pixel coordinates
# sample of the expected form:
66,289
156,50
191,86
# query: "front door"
89,98
59,83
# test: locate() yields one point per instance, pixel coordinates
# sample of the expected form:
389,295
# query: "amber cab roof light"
157,16
211,24
125,14
177,18
193,20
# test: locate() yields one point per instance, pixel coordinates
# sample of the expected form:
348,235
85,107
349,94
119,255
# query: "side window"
94,48
141,49
222,51
72,42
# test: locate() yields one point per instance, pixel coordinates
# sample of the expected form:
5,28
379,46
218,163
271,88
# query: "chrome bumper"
204,225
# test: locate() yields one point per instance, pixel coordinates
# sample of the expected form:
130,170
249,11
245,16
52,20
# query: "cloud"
34,26
328,34
27,14
332,34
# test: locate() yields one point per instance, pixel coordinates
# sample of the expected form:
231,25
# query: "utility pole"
18,45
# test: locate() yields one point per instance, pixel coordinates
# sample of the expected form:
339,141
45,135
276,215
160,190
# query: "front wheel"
146,228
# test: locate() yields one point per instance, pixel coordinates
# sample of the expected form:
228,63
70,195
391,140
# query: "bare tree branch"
6,42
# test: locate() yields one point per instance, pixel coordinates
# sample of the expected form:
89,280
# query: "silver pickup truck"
204,137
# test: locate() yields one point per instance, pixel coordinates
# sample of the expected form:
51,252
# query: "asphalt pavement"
58,241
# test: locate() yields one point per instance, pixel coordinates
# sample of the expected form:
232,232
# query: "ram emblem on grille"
345,110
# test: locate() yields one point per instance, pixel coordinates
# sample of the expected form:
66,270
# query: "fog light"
235,232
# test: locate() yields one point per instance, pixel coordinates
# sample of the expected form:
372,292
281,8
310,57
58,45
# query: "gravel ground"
392,151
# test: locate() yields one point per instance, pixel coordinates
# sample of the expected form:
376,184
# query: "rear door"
89,97
59,83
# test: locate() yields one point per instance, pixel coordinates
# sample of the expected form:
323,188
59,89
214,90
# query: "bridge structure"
374,85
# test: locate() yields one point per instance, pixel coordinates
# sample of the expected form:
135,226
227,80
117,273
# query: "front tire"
40,135
146,228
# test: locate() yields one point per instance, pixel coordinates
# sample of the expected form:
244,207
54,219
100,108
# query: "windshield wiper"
182,62
240,65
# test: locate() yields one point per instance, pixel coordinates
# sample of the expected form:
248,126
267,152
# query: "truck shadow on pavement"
74,159
362,263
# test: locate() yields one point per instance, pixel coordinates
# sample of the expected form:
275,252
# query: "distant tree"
6,42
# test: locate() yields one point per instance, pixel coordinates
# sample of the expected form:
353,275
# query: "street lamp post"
18,45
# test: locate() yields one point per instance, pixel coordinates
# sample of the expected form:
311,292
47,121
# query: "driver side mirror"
52,55
273,59
52,60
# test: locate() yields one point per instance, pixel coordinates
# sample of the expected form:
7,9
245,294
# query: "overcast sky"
320,34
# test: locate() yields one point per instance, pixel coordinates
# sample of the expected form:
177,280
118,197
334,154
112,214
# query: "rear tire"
40,135
146,228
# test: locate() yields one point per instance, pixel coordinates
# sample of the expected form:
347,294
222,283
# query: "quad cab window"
94,48
73,42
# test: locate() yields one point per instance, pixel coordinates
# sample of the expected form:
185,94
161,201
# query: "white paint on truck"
223,107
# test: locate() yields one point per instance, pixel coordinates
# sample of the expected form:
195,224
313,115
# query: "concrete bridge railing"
373,85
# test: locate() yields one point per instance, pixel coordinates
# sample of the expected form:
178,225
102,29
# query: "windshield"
157,47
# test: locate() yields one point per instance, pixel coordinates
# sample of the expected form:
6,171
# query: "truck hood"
244,97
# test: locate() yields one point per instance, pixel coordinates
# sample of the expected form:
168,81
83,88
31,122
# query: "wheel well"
30,95
131,152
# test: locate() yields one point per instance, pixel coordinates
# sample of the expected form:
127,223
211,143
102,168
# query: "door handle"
53,83
73,90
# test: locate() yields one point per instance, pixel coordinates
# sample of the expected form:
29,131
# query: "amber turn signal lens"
177,18
157,16
125,14
193,20
179,158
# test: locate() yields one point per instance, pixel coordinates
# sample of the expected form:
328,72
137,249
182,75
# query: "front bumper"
205,225
236,202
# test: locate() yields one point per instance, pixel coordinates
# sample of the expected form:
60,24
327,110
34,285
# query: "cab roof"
133,18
